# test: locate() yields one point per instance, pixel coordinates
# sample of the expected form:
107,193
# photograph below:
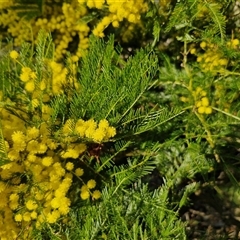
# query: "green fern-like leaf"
178,18
219,23
155,119
28,8
44,47
107,162
110,85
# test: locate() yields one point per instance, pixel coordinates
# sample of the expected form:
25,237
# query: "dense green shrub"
88,122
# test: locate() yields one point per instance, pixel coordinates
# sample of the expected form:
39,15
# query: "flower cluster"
70,31
20,29
67,28
6,4
35,185
97,132
211,57
118,11
90,129
52,82
212,60
85,191
233,43
59,77
202,104
62,20
31,152
49,167
28,77
200,99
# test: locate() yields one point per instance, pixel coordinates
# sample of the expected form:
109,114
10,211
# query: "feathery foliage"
134,219
130,135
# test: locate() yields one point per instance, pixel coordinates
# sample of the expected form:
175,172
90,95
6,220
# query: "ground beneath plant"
211,217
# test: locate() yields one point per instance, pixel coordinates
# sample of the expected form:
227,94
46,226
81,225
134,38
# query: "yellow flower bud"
205,102
235,42
91,184
203,93
208,110
193,51
96,194
14,54
201,110
85,195
199,104
203,45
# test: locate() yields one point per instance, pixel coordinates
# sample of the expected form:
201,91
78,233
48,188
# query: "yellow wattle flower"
14,54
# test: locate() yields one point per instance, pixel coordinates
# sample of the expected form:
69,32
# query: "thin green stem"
226,113
209,136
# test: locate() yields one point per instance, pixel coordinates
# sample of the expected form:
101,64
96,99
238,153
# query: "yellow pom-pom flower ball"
84,195
91,184
96,194
14,54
